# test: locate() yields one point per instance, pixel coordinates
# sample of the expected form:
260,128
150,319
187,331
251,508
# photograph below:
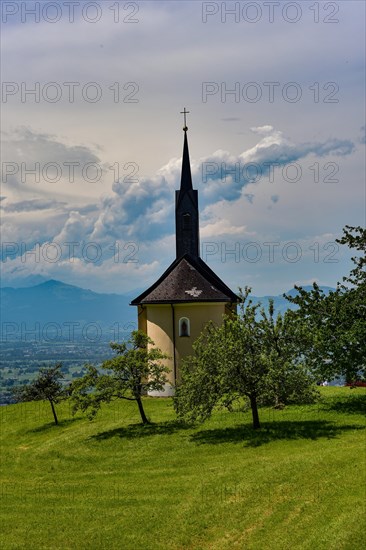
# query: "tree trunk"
54,412
142,412
255,415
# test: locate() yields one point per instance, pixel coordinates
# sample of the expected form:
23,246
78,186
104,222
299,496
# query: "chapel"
174,310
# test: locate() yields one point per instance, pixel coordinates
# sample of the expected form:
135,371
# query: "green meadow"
298,482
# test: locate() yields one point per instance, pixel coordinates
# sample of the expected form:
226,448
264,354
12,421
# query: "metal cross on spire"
185,113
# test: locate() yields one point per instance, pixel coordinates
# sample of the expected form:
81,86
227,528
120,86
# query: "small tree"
47,386
136,369
243,357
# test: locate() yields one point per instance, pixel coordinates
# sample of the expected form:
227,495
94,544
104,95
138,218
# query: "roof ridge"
168,289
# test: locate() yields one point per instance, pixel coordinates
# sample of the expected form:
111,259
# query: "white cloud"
221,228
139,213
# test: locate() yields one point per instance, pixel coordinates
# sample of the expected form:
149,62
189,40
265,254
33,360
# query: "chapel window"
184,328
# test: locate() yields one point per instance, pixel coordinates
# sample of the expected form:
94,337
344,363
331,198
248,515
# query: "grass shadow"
272,431
142,430
353,404
50,425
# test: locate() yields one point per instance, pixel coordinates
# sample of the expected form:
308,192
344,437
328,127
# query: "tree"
136,369
355,237
336,323
47,386
243,357
288,379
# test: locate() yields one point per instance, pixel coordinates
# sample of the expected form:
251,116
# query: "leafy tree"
336,323
288,379
136,369
355,237
47,386
243,357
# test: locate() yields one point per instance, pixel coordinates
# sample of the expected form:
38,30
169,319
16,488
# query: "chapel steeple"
186,207
174,309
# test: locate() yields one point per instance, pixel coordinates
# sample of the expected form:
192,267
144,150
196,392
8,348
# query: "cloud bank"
60,238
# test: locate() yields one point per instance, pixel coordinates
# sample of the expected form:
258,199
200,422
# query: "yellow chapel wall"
157,322
199,314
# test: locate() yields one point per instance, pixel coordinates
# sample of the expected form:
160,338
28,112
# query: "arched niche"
184,327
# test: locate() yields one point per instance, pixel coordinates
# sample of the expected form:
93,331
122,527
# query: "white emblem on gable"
193,292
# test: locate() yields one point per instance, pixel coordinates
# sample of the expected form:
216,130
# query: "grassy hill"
114,484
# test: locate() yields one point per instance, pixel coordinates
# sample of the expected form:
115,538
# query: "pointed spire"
186,177
186,207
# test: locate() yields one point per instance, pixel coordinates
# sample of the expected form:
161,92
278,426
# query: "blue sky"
92,157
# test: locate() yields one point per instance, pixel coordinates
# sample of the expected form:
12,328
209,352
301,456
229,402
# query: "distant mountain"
63,305
23,282
280,303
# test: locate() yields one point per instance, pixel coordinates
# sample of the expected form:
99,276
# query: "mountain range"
61,304
57,304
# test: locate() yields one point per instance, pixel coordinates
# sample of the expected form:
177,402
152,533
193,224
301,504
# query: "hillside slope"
112,483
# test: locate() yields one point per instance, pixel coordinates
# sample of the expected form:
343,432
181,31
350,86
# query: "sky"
91,130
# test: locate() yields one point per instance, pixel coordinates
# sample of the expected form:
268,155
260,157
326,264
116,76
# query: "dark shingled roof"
187,279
